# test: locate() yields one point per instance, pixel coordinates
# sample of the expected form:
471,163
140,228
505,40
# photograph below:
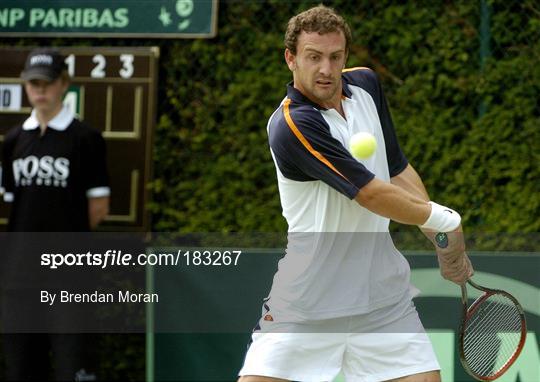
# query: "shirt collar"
345,87
60,122
296,96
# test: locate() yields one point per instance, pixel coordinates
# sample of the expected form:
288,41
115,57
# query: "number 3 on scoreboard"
127,65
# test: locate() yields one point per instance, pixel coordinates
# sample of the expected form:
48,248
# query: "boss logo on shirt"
44,171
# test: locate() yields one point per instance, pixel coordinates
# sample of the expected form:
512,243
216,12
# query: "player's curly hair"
320,19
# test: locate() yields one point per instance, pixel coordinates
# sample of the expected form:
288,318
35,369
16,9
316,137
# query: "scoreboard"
114,90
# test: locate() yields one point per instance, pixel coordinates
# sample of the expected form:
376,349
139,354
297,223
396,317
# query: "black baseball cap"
43,64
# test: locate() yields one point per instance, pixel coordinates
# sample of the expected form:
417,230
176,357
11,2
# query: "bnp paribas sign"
104,18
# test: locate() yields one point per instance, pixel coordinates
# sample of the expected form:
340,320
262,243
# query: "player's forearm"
393,202
410,181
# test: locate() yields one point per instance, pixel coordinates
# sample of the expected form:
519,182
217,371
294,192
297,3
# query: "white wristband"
442,219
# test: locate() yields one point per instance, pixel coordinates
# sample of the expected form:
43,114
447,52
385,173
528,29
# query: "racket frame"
468,311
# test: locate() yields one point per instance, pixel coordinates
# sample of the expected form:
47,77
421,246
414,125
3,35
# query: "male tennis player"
341,299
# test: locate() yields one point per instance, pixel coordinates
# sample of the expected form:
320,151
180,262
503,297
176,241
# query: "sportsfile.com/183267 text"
113,257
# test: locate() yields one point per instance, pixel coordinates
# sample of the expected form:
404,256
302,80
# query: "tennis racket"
492,332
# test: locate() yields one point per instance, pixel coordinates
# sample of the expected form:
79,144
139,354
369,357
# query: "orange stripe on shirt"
304,141
355,68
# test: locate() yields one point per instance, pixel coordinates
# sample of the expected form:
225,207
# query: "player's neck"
44,116
333,103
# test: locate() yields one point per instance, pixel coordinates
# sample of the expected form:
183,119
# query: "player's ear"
290,59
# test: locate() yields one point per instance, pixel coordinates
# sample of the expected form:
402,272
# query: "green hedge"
213,170
212,165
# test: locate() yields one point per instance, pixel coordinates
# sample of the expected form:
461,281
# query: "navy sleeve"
369,81
304,150
94,164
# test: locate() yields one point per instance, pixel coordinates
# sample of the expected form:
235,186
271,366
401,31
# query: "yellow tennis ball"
362,145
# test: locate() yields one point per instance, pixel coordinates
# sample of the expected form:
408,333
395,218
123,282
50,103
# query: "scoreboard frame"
122,70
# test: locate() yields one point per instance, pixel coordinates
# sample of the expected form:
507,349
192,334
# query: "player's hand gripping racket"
492,332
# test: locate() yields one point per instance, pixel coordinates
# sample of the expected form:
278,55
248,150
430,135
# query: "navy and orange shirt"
309,145
340,259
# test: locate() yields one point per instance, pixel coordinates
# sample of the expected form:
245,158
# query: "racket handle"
475,285
464,297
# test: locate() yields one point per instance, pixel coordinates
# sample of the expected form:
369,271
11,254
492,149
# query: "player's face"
317,66
46,96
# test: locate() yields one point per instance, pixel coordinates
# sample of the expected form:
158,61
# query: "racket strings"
492,335
485,335
488,316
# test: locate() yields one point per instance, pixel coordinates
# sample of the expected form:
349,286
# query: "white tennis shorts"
381,345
